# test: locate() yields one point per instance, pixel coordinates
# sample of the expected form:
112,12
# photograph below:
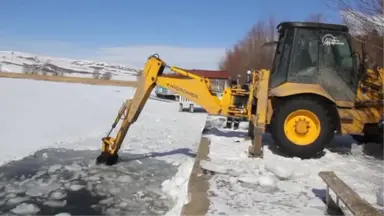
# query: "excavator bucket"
104,157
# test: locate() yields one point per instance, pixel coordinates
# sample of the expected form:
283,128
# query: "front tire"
302,127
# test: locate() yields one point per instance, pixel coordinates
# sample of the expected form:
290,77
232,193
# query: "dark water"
56,181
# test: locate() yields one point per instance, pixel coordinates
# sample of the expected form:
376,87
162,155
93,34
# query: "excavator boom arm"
190,86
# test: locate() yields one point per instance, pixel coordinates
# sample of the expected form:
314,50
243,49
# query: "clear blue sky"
93,23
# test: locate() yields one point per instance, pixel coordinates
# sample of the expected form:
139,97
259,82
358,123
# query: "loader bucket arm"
190,86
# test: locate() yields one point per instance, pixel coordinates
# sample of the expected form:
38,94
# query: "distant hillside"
20,62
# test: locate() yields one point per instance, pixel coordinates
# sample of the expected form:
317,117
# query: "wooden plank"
357,205
81,80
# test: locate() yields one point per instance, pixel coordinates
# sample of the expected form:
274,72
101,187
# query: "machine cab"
316,53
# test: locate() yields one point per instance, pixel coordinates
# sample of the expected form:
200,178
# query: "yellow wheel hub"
302,127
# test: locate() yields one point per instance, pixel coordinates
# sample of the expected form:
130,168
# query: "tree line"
249,52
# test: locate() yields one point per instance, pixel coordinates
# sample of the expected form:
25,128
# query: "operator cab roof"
328,26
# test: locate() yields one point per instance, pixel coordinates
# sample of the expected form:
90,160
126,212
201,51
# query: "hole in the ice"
69,181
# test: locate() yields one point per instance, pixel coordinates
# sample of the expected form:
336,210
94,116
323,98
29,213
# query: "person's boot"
236,124
229,123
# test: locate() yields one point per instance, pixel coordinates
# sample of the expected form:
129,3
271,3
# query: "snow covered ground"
14,62
277,185
38,115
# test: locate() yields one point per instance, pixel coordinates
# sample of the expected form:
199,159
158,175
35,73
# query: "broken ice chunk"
55,203
283,173
108,176
63,214
89,186
15,189
266,181
249,179
114,190
58,195
290,187
122,204
208,165
25,208
76,187
54,168
139,162
73,168
234,173
140,194
124,178
47,188
16,200
93,178
112,211
11,195
106,201
34,192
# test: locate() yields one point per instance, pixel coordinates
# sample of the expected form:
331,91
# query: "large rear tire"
302,127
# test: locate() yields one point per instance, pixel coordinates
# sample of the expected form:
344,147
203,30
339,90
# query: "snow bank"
276,185
177,187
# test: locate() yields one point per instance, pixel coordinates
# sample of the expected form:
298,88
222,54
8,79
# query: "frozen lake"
54,181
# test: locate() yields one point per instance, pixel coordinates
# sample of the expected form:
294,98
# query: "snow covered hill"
20,62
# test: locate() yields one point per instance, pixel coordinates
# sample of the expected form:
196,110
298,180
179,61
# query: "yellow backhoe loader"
316,88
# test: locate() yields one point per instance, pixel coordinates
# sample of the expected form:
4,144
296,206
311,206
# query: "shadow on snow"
342,145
